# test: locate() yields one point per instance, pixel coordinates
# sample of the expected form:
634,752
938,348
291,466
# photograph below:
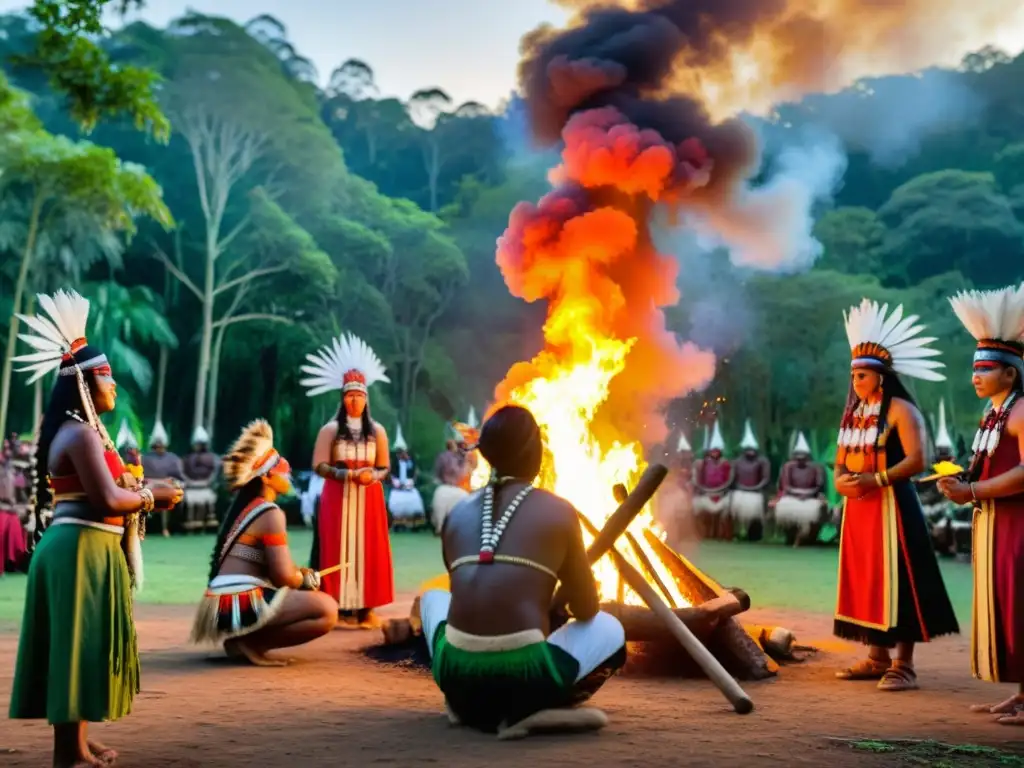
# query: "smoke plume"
641,99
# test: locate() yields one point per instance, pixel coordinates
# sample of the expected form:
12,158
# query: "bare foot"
1017,718
105,755
1007,707
255,657
85,760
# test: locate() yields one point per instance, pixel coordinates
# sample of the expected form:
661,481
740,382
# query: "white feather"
869,323
997,315
330,363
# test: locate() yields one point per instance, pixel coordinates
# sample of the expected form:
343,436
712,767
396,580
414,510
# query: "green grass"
936,754
774,576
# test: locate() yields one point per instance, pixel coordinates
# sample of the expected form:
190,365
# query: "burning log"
712,667
642,625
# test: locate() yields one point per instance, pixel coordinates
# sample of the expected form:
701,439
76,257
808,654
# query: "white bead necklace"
491,532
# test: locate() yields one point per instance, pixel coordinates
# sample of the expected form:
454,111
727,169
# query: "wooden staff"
707,662
332,569
617,524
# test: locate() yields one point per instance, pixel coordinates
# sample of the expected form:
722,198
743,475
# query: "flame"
577,468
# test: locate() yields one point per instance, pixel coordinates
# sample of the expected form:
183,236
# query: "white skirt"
405,502
747,506
198,496
790,510
711,504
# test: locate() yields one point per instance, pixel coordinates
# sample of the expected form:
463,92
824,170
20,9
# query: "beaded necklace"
491,532
986,439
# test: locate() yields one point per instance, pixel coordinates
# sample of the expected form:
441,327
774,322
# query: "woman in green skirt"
77,655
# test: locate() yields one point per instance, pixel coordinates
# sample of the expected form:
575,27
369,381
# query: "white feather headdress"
347,363
55,338
996,320
892,341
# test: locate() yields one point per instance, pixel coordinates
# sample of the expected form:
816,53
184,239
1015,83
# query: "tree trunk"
218,345
203,374
19,290
161,382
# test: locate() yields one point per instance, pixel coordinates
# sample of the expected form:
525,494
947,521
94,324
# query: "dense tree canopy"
279,213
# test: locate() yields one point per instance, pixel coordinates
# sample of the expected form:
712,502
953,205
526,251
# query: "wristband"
148,502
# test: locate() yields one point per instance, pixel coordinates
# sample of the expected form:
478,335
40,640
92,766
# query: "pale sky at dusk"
469,48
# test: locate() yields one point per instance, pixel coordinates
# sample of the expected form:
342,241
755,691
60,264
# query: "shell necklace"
491,532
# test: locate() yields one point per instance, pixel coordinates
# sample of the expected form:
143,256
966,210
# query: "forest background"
226,215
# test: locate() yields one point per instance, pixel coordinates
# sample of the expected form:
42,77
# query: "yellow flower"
136,470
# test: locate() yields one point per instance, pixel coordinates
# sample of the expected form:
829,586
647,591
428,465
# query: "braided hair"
245,496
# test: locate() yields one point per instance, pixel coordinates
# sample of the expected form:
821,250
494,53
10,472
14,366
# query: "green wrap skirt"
78,656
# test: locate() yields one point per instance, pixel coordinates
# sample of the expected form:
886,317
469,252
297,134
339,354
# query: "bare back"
502,598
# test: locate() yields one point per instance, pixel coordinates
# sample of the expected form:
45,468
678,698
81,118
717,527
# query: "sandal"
899,677
865,669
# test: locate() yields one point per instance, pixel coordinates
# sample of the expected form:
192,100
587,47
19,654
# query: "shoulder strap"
245,520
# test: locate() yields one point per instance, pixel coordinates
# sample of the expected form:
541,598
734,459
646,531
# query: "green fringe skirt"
78,656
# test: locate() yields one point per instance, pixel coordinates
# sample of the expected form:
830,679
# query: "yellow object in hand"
947,468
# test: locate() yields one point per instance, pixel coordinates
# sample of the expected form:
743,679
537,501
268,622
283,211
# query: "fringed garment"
997,636
352,527
890,587
236,604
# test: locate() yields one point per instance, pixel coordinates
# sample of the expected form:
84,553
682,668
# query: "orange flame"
595,387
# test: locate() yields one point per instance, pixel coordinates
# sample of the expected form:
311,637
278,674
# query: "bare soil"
334,706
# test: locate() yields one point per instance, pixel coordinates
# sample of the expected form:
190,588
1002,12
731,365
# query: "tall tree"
61,182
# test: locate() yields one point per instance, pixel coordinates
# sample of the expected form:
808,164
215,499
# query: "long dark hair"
64,400
344,433
251,490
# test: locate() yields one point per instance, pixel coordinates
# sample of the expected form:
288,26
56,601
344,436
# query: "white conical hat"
802,446
200,435
399,444
683,446
749,441
471,419
942,438
159,434
125,436
717,443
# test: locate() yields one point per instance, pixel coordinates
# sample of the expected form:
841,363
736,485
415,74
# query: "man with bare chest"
801,507
753,473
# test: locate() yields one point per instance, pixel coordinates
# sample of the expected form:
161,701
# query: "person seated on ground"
800,507
506,547
257,600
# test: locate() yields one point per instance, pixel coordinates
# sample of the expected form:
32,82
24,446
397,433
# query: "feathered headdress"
253,455
749,442
58,339
996,320
890,342
399,444
347,363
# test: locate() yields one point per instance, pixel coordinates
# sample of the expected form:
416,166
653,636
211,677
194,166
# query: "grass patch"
936,753
773,575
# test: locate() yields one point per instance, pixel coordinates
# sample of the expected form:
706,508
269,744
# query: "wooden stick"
621,494
332,569
741,703
617,524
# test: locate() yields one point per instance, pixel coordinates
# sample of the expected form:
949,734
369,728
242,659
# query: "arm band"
275,540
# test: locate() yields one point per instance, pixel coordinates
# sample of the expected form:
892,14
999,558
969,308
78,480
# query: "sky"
470,48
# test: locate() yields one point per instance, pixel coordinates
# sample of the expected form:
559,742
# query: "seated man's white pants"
589,642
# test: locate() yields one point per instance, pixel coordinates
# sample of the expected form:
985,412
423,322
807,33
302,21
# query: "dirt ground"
336,707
